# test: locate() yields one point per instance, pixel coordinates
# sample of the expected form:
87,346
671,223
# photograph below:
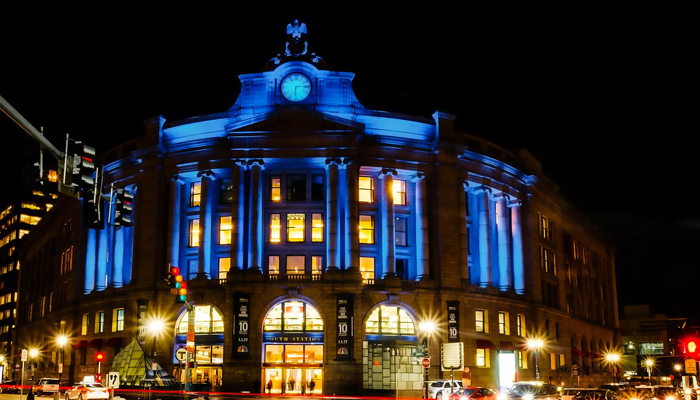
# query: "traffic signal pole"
32,131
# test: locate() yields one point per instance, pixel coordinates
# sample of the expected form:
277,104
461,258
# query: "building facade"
316,237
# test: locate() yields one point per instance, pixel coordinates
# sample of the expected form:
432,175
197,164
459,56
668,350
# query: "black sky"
606,99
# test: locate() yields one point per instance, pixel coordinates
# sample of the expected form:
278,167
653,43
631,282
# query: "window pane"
399,187
366,187
226,192
195,193
400,231
313,353
275,228
316,265
367,269
294,353
202,319
366,232
275,194
295,265
273,320
316,227
317,187
224,267
225,230
313,319
406,326
273,353
295,227
296,187
293,316
194,233
273,266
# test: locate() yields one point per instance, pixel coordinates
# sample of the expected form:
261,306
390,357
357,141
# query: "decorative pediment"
296,119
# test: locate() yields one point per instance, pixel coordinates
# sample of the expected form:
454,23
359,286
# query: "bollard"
56,396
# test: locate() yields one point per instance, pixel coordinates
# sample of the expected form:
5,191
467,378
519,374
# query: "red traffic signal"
691,347
99,357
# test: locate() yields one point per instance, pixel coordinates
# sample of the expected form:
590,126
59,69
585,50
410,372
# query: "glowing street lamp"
649,363
612,359
156,327
61,341
535,344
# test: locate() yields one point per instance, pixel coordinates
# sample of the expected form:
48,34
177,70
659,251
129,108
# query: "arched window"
295,316
206,320
390,320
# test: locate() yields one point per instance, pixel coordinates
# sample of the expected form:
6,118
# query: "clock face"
295,87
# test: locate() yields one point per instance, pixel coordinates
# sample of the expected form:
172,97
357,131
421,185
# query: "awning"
577,352
95,343
507,346
113,342
484,344
595,355
80,344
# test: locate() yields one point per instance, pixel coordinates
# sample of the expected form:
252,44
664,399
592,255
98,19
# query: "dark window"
401,233
226,192
402,268
296,187
317,187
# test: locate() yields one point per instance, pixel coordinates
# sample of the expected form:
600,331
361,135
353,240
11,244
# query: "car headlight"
527,397
501,396
671,397
687,391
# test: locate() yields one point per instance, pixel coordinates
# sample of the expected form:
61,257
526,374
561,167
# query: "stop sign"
425,362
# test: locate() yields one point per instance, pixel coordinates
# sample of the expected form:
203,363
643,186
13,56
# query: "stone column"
352,219
255,224
332,215
176,221
388,243
422,241
517,237
90,261
237,215
206,206
464,233
504,262
484,238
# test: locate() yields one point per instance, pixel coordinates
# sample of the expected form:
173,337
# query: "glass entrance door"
294,380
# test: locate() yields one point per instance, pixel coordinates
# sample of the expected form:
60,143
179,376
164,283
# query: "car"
45,386
470,392
664,392
10,387
570,393
86,391
596,394
442,388
531,390
618,388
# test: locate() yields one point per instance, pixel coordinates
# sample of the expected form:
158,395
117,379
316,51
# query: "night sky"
606,99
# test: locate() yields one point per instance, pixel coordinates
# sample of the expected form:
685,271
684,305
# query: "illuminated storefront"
293,348
209,345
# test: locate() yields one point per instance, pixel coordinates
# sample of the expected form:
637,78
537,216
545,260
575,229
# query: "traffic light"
100,356
93,205
83,166
123,208
177,284
691,348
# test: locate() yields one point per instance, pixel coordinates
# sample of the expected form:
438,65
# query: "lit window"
224,266
295,265
520,322
53,176
316,265
195,193
366,232
399,187
194,233
225,230
206,320
401,231
585,256
117,320
576,250
545,227
275,187
503,323
482,357
317,227
295,227
366,186
294,316
522,359
275,228
273,265
390,320
367,269
99,321
84,324
481,323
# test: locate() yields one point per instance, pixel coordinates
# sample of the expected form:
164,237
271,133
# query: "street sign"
691,366
181,354
425,362
25,354
112,380
574,370
452,356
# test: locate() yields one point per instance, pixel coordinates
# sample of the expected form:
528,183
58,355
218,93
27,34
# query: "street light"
61,341
649,363
427,327
33,353
156,326
535,344
612,359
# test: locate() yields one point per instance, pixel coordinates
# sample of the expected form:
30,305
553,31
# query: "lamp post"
155,328
32,354
61,341
427,328
649,363
536,344
613,359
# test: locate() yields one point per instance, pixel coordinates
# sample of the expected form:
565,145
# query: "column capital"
419,175
333,161
239,162
256,161
207,173
386,171
484,188
515,202
178,179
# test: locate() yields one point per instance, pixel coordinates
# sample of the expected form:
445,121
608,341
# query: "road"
143,395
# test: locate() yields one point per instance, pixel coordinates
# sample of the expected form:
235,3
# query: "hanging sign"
344,335
242,320
453,321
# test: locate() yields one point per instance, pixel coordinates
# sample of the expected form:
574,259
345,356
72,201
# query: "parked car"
10,386
570,393
531,390
87,391
45,386
618,388
442,388
473,393
596,394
